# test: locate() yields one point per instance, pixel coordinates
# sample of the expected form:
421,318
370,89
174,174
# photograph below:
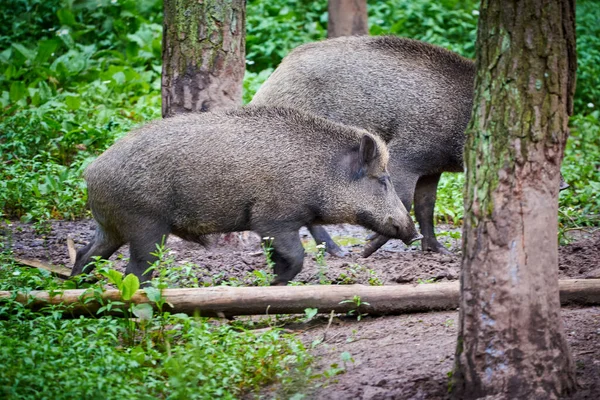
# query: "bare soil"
400,357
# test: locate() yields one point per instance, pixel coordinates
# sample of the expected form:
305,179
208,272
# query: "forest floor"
393,357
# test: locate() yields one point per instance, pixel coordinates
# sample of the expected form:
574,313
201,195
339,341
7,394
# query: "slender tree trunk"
203,55
347,18
511,342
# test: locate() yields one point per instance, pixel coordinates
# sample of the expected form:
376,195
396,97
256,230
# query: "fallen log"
231,301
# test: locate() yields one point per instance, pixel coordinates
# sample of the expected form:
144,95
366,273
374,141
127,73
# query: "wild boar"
270,170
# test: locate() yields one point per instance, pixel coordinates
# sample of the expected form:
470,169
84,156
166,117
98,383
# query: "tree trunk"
511,342
347,18
203,55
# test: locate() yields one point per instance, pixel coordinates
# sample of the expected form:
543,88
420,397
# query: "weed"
310,313
357,301
322,264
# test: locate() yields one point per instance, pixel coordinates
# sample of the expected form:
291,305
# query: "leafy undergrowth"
155,355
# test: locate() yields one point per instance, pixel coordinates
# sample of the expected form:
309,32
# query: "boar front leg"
321,236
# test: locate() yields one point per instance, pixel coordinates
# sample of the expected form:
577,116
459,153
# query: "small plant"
357,301
267,248
322,264
310,313
421,281
260,277
374,279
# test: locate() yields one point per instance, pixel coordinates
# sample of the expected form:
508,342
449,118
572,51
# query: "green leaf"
310,313
119,77
153,294
346,357
114,277
17,91
131,284
142,311
73,102
65,16
28,54
45,50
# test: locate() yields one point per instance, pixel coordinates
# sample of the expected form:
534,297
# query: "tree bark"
511,342
231,301
203,55
347,18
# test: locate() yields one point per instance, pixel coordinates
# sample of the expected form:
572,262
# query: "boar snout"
406,230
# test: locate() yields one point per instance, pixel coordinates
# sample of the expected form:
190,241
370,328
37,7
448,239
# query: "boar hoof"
434,246
337,252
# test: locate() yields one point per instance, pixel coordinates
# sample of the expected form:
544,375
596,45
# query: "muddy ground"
401,357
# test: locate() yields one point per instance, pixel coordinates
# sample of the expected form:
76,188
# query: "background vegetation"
77,74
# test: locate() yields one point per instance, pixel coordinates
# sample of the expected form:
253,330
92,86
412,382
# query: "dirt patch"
401,357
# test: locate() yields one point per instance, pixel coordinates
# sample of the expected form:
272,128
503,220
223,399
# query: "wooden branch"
56,270
231,301
72,251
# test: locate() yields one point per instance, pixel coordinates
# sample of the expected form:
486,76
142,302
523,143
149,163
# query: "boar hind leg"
321,236
288,255
140,248
103,245
425,195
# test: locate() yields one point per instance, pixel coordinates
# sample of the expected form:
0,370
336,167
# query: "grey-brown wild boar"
415,96
270,170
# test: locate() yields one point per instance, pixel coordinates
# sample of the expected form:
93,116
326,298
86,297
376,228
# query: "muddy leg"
140,249
103,245
321,236
425,195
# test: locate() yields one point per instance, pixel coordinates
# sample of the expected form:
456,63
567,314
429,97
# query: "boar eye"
384,180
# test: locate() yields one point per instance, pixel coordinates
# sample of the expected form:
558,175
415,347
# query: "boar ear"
368,150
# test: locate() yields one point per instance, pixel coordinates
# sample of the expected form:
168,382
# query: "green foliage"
580,205
448,23
158,355
81,76
241,362
275,27
75,76
357,302
588,53
449,205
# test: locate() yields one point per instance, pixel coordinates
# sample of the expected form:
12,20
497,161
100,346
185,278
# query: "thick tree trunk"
511,342
347,18
203,55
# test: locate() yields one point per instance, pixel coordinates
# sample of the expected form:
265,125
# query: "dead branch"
56,270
